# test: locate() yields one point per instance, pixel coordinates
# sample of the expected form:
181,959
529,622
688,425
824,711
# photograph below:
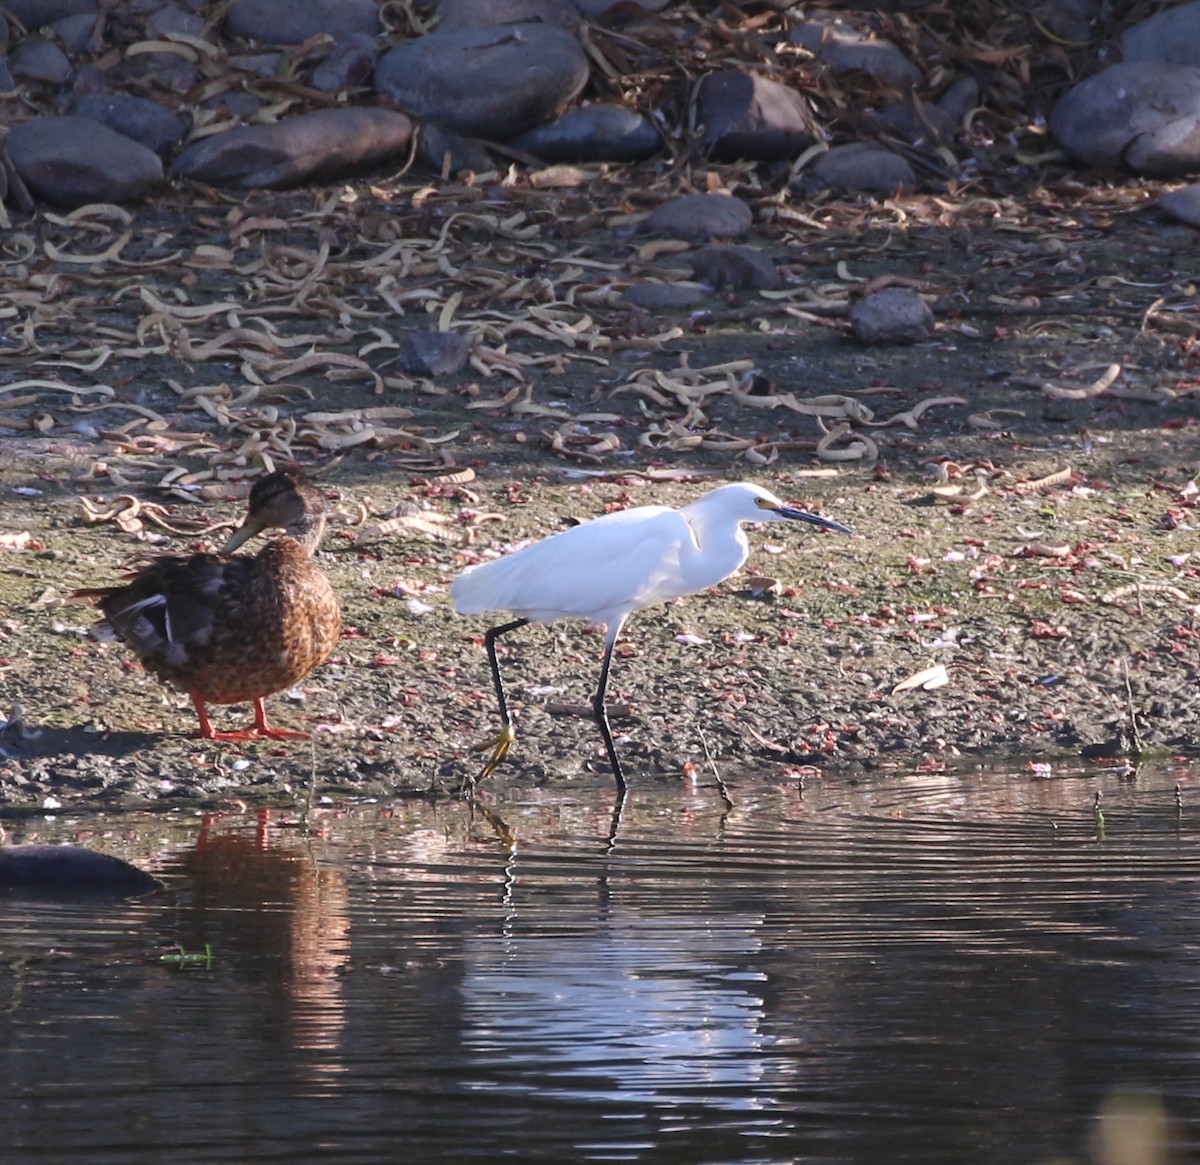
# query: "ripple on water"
927,968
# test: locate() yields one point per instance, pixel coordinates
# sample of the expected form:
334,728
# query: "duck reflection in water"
266,906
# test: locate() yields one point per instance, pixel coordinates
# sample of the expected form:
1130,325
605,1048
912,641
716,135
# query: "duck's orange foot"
259,730
254,732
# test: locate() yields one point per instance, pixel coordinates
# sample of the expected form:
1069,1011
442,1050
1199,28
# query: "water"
923,968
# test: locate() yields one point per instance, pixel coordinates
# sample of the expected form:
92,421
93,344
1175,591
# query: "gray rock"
170,18
1141,114
71,161
424,352
485,82
922,123
13,190
314,145
88,79
236,102
748,116
457,14
860,168
283,22
264,65
699,218
70,870
450,153
895,315
607,9
348,65
738,268
959,99
845,49
652,296
918,122
75,32
166,71
592,133
1183,204
35,14
1069,19
1171,36
144,121
41,60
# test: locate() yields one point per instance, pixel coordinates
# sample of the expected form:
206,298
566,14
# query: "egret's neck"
718,549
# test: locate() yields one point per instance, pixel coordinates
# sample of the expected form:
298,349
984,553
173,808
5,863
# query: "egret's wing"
609,566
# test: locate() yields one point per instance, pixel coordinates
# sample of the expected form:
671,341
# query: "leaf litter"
156,360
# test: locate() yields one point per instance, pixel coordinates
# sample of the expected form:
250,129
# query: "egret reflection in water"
585,1016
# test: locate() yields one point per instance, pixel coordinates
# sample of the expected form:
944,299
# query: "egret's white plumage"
606,569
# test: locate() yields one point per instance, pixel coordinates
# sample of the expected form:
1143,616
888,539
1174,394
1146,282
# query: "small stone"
348,65
485,82
450,153
608,9
654,296
861,168
1139,114
748,116
285,22
424,352
40,60
700,218
170,18
70,869
737,268
144,121
327,143
1171,36
592,133
456,14
235,103
168,72
1183,204
1069,20
918,122
35,14
845,49
895,315
959,99
71,161
75,32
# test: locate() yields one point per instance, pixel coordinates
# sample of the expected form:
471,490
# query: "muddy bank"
1027,530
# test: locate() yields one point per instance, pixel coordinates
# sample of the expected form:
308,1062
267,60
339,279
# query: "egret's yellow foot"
499,746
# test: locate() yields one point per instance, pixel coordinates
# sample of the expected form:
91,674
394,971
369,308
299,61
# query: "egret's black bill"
815,519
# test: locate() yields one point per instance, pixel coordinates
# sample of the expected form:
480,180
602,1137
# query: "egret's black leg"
489,641
601,712
499,745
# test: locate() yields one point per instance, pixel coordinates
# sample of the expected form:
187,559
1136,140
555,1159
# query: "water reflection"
930,968
265,900
653,1012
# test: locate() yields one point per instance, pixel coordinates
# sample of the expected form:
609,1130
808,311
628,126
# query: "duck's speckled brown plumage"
228,628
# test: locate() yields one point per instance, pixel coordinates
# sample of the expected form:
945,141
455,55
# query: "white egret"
604,570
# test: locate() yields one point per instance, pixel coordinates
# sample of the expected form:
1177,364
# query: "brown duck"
229,628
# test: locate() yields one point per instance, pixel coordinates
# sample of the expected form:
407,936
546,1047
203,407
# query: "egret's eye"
763,504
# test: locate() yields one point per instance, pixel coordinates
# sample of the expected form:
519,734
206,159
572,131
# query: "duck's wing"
172,608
